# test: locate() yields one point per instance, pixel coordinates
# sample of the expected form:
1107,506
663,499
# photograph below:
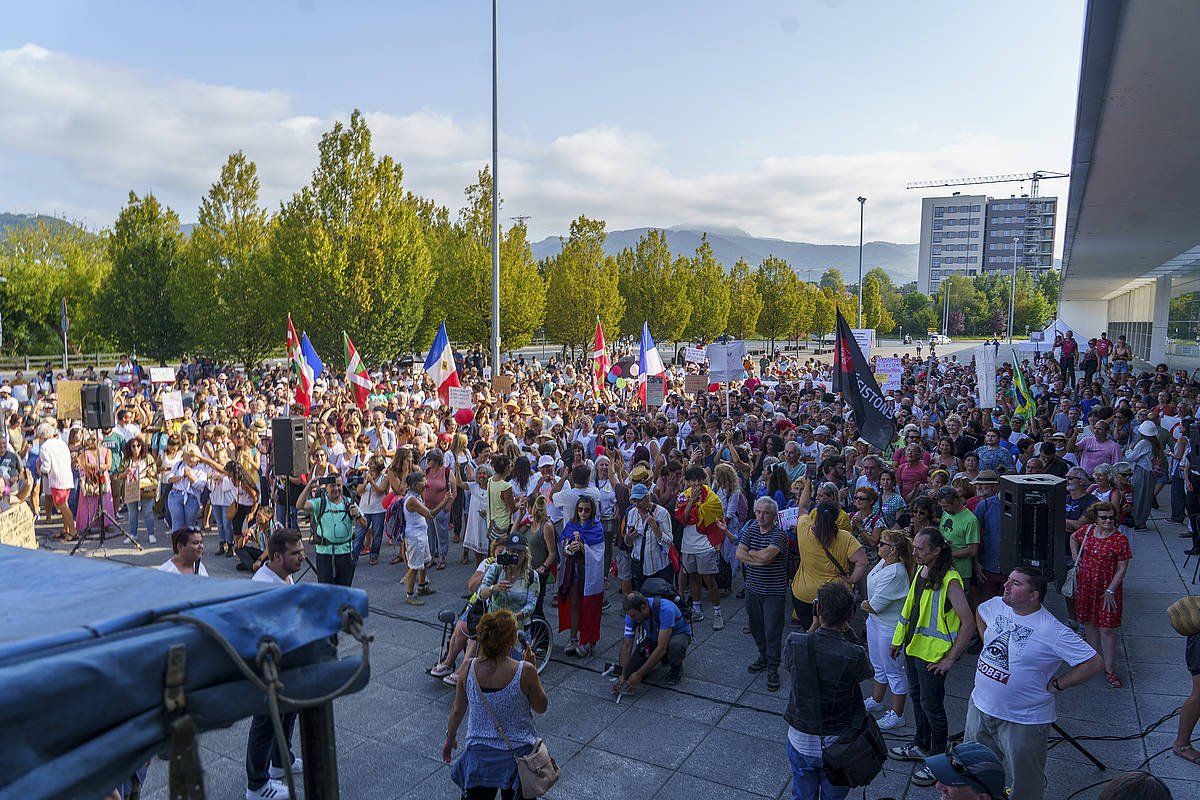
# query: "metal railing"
76,360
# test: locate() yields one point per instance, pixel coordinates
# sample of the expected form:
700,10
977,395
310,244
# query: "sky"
767,116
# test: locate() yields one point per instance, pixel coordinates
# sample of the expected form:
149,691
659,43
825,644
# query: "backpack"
393,519
657,587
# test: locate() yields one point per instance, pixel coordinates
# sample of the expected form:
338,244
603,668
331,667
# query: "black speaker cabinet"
97,402
289,444
1033,530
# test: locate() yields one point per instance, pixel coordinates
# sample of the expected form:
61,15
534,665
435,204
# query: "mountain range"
808,260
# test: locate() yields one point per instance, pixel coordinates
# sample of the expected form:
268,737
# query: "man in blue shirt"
987,511
994,456
655,630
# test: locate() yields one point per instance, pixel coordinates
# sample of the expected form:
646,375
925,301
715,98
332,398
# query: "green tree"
582,286
831,279
145,248
780,291
224,297
823,316
872,303
745,303
708,295
349,251
655,287
42,264
914,314
803,311
464,283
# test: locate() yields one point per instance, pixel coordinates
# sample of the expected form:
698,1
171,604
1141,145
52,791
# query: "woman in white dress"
475,536
417,521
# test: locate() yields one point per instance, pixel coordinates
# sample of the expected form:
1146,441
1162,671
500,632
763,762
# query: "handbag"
537,771
858,753
1184,615
1068,587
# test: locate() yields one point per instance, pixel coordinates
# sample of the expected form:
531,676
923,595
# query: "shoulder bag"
538,771
1068,587
858,753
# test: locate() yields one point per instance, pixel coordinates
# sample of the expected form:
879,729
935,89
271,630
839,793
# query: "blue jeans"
184,508
287,516
439,535
142,510
224,523
808,779
375,525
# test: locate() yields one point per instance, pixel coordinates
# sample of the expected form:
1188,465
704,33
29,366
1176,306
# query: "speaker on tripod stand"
1033,525
97,402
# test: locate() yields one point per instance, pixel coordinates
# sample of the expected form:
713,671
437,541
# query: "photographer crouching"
333,519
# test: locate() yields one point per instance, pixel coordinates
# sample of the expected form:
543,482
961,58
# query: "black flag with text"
852,376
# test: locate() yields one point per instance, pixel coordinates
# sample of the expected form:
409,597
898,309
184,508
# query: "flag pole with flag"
304,373
600,356
310,356
439,365
1022,398
358,380
854,378
649,362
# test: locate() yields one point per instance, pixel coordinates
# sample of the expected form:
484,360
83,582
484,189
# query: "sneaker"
675,675
572,648
583,651
923,777
718,621
153,539
907,752
757,666
280,772
773,681
441,671
871,704
425,588
413,600
697,614
268,791
890,720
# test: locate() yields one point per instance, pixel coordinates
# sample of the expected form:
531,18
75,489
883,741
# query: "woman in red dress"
1102,555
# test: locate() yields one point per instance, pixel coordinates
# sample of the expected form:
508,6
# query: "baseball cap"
545,461
821,429
638,491
515,542
969,764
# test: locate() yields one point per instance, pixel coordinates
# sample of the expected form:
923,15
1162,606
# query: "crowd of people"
573,500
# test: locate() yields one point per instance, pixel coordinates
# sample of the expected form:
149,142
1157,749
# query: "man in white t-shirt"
1012,706
264,765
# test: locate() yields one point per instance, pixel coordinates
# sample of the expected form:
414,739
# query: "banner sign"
725,362
461,397
892,369
985,375
866,340
695,383
693,355
656,390
172,404
162,375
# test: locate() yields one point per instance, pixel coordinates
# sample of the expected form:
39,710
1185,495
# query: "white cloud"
77,135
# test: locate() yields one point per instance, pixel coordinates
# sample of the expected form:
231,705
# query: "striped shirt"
772,578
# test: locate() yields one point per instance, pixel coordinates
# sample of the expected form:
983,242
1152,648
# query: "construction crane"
1020,177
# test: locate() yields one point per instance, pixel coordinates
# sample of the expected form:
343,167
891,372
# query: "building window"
937,262
938,211
976,209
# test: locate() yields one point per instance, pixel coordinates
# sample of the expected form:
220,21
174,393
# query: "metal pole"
862,204
1012,291
317,743
495,202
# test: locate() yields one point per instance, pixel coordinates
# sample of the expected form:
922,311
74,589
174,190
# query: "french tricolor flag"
649,362
439,365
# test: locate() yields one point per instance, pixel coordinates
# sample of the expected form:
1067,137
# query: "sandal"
374,560
396,559
441,563
1113,680
1181,752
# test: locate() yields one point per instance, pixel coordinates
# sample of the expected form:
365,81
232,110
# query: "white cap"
545,461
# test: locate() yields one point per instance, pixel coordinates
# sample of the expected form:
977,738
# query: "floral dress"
1099,559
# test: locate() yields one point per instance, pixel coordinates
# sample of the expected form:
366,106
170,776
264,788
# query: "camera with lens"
507,559
328,480
354,479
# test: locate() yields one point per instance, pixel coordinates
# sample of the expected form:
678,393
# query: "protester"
581,589
762,550
970,771
656,631
1101,554
887,586
187,547
827,553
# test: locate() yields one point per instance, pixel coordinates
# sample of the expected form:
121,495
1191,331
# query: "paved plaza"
719,734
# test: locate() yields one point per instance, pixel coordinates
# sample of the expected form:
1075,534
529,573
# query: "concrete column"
1158,324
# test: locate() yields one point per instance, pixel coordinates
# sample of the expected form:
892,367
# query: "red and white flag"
600,356
357,377
304,373
440,367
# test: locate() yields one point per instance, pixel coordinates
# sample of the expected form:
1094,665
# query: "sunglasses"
1106,516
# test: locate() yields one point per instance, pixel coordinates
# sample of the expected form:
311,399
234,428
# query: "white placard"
693,355
656,390
866,340
725,362
893,368
162,375
172,404
985,375
825,386
461,397
789,517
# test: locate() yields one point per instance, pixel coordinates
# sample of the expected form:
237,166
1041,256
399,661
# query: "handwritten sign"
891,369
16,527
162,375
70,400
461,397
656,390
789,517
985,375
693,355
502,384
172,403
695,383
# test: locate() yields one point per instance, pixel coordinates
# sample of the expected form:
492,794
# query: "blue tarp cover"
82,662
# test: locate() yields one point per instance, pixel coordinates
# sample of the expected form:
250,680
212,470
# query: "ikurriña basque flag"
439,365
853,377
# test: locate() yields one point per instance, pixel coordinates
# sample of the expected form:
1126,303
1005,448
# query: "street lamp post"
495,204
1012,291
946,308
862,204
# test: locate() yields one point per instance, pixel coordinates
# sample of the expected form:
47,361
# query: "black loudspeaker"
1033,525
97,402
289,444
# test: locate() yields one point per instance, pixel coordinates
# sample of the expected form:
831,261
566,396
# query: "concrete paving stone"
423,732
651,737
773,701
1166,764
1153,707
741,761
1160,677
223,777
578,716
371,713
1098,702
598,686
437,786
1064,776
597,775
753,722
683,706
382,771
1123,755
689,787
720,667
1156,650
